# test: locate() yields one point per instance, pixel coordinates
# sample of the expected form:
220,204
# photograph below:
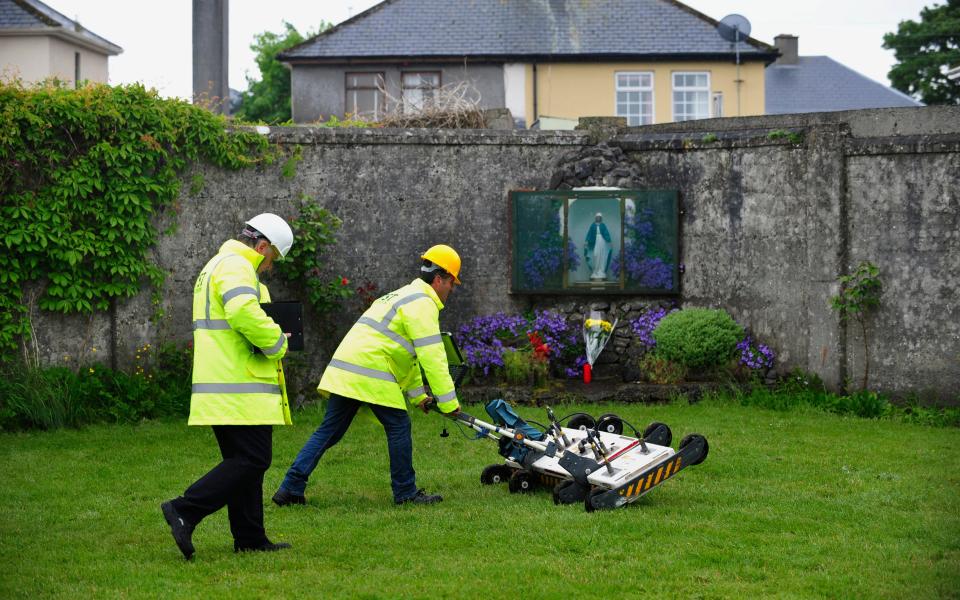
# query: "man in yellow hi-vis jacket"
378,365
238,385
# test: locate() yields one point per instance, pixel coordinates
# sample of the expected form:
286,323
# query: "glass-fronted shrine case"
595,242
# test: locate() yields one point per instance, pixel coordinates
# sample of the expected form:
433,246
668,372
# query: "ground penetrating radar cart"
588,460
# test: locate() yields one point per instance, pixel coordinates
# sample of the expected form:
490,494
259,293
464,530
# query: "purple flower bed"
484,339
755,356
644,325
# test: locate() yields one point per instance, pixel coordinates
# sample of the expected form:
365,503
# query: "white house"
37,42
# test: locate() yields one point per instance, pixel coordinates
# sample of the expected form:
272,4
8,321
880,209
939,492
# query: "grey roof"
821,84
33,16
519,28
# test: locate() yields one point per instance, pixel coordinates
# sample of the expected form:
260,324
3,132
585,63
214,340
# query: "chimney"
787,45
210,57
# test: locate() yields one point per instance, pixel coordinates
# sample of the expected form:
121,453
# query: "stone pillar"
210,60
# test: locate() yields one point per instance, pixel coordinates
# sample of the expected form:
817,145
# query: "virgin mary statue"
597,249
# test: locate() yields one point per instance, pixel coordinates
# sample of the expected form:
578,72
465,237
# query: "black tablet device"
289,316
454,359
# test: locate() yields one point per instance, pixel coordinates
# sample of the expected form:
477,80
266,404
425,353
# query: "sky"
156,36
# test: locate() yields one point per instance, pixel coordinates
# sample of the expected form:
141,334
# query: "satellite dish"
734,28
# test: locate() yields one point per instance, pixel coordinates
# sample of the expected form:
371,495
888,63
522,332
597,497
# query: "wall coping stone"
693,140
872,122
311,135
909,144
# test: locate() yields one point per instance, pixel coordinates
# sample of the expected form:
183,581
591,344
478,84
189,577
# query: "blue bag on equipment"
503,415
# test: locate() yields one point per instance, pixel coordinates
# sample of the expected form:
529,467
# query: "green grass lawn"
796,504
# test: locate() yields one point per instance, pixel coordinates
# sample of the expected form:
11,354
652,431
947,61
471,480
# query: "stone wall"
768,226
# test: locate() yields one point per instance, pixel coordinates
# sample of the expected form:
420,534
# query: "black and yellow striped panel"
651,478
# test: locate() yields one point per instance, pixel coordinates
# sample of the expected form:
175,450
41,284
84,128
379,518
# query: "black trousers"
236,482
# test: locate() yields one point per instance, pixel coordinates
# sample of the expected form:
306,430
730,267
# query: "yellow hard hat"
444,257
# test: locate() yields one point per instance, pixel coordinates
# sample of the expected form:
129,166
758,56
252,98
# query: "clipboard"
288,314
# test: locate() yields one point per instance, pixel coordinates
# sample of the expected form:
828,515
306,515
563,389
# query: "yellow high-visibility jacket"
380,358
232,385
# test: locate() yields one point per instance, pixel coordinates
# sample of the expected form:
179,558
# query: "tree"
924,51
268,99
859,293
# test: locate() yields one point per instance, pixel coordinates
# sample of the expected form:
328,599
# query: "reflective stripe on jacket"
380,358
232,385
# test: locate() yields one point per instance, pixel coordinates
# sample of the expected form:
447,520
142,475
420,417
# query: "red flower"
344,281
535,339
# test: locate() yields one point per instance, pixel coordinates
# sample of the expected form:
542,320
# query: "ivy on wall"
84,175
314,234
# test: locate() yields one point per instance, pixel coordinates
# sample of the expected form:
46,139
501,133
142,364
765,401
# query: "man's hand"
428,403
425,405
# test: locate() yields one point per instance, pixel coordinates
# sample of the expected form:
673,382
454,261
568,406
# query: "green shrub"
54,397
697,338
40,399
800,381
800,388
661,371
521,367
114,396
864,403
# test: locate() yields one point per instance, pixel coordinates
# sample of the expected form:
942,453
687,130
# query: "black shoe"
422,497
265,547
283,498
181,530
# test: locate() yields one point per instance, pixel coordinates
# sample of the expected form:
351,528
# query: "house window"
691,96
419,90
365,95
76,69
718,104
635,97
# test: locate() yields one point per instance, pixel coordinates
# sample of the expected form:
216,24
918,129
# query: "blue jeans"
336,421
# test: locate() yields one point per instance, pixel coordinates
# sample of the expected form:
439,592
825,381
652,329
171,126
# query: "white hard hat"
274,229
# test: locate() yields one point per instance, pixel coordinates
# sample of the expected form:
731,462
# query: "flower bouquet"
596,334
